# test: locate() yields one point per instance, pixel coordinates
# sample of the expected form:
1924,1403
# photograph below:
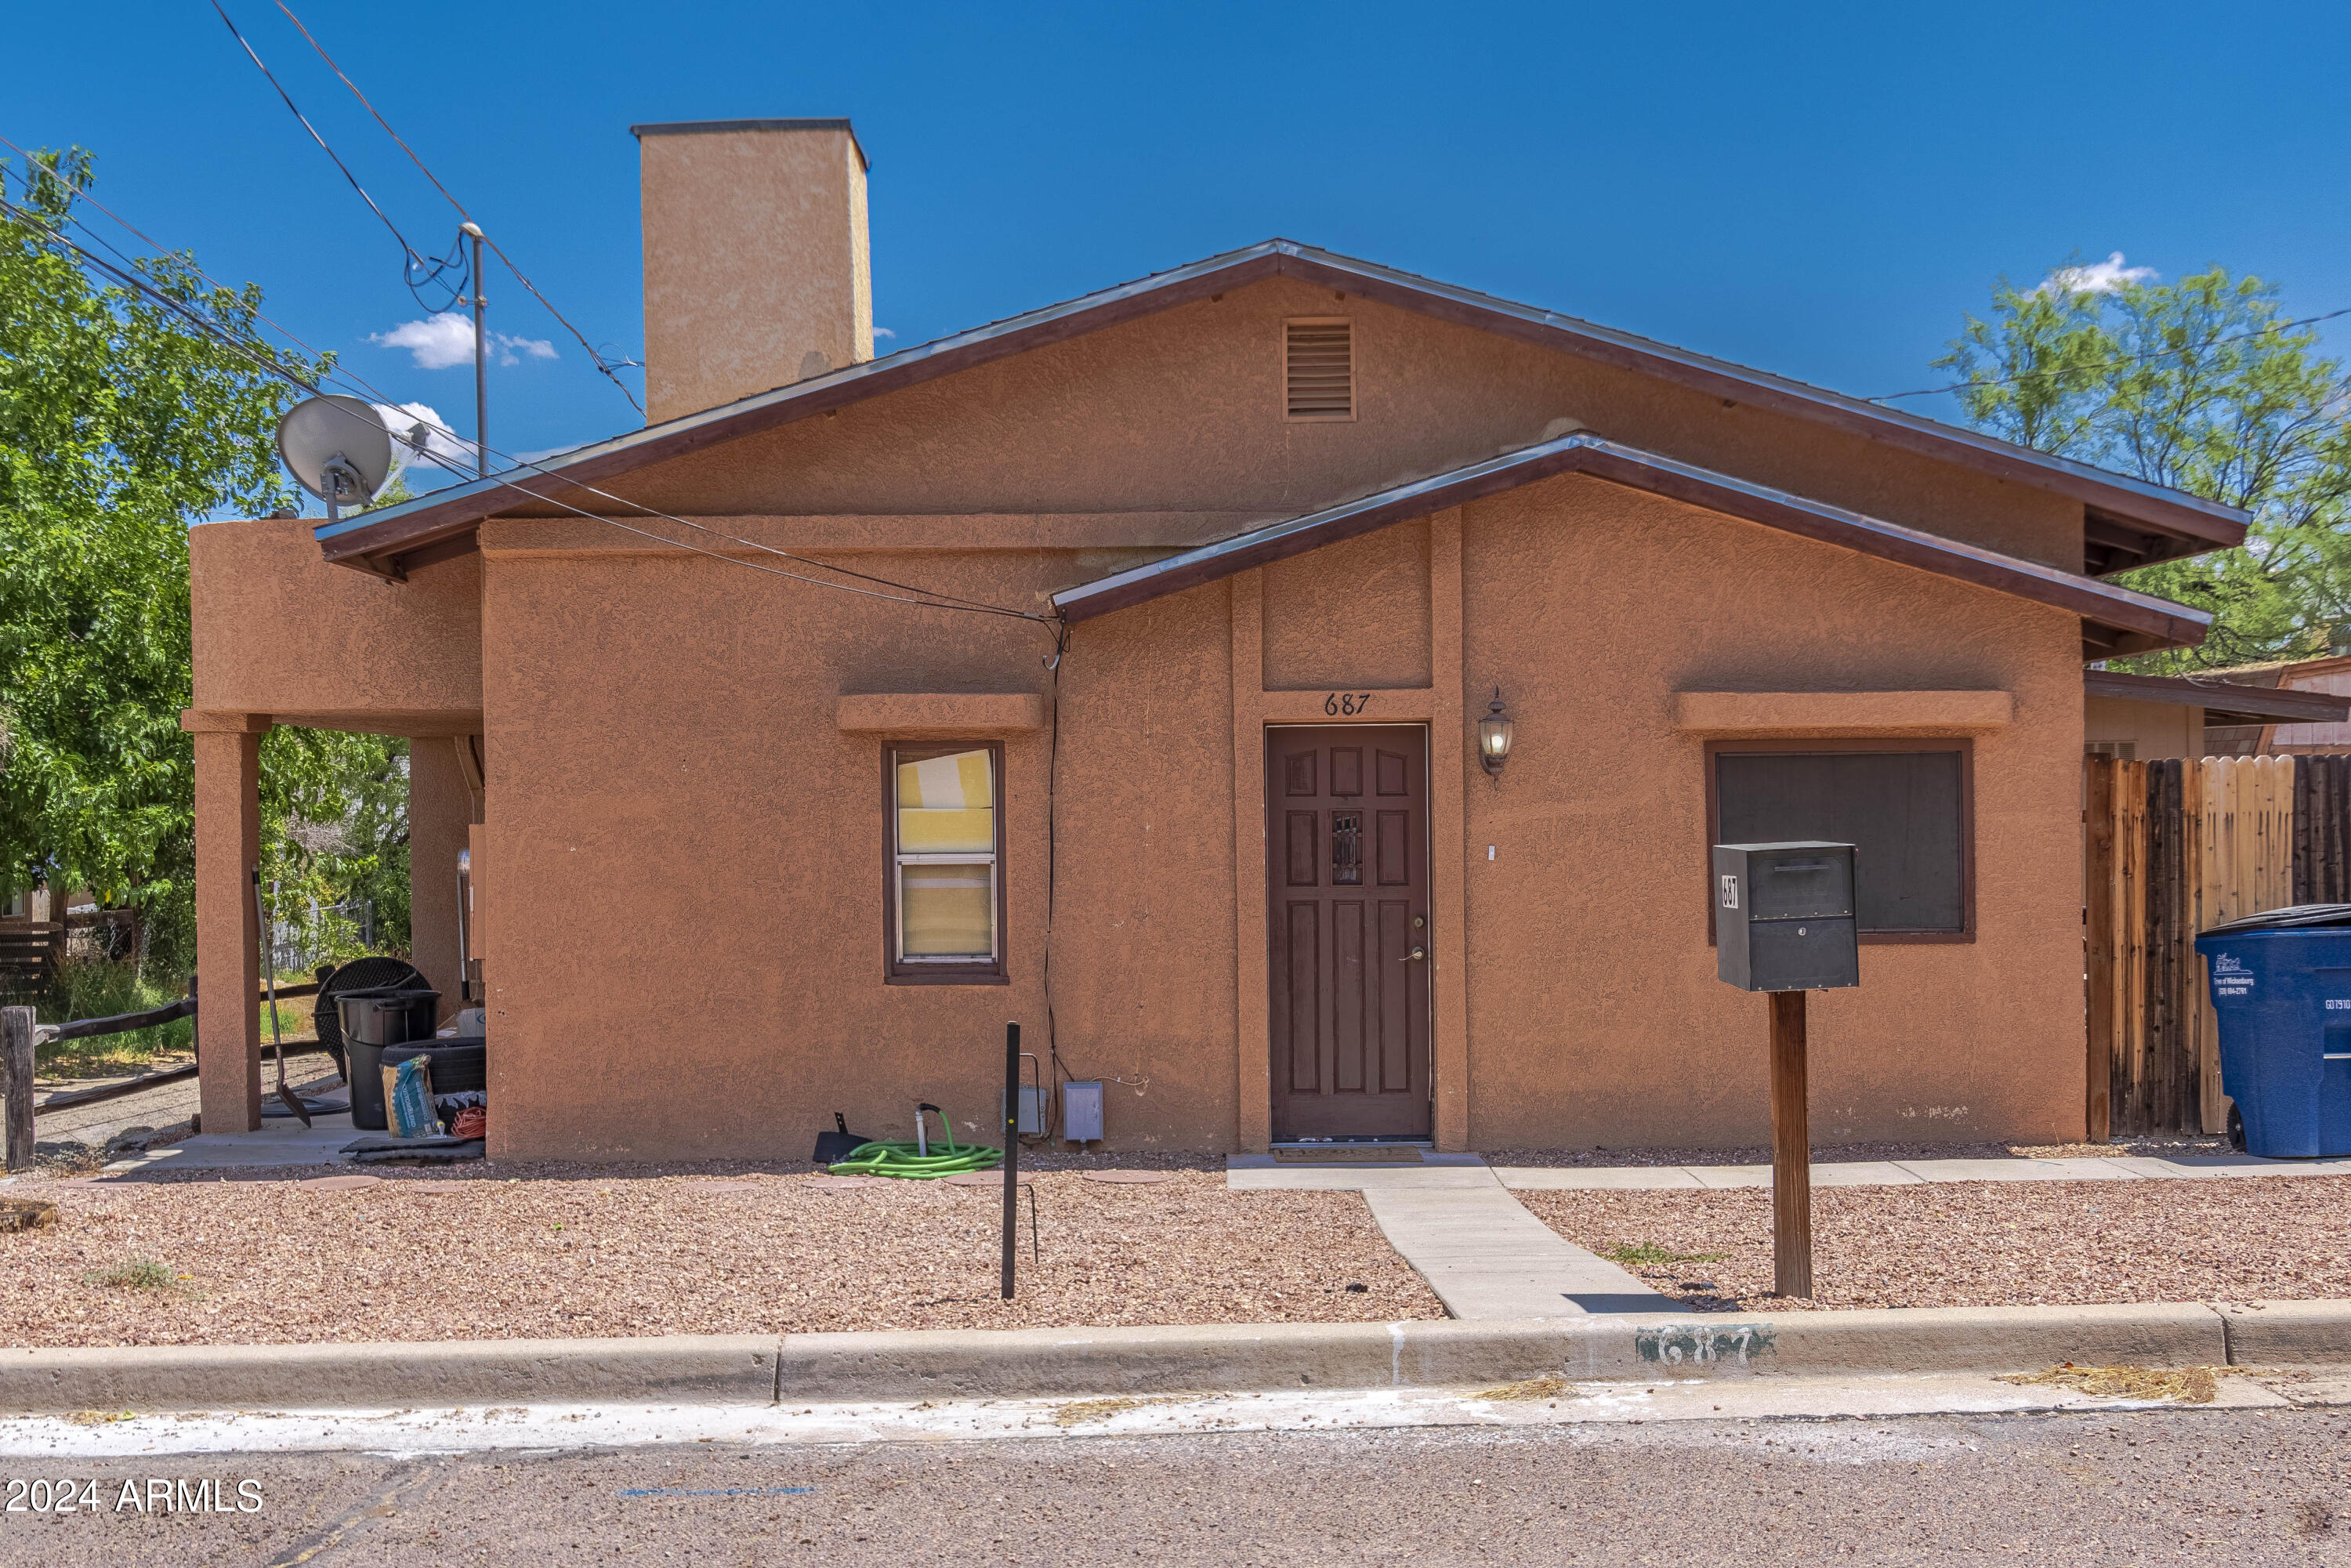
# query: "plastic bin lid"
2294,915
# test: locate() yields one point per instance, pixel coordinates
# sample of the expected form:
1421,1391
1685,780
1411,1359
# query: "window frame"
1802,746
898,971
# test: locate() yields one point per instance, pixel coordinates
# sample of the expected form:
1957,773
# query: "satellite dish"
337,447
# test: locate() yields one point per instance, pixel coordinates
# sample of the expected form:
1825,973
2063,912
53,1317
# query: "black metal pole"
1011,1151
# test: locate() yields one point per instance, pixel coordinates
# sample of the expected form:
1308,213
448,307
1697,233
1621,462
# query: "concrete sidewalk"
1914,1173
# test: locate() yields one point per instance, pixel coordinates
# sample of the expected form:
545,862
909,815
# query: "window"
1319,368
1904,807
944,891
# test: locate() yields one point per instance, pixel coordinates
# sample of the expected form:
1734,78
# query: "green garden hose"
910,1162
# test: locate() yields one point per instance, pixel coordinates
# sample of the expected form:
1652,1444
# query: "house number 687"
1348,703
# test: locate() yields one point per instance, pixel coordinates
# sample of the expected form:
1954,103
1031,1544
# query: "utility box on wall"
1783,917
1081,1112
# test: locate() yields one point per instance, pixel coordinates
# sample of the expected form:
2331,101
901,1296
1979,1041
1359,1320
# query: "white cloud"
437,341
435,444
883,332
440,342
508,348
2099,278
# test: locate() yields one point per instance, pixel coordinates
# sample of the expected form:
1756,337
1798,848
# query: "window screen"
944,870
1904,812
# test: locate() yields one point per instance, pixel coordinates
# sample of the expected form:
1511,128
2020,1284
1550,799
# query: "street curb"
759,1369
706,1369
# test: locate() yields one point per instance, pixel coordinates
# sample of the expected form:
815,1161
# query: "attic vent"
1320,365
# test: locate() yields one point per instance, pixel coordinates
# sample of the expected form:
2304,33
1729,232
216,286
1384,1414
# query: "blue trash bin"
2282,987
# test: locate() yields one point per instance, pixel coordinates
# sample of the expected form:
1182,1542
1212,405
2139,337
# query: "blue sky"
1817,189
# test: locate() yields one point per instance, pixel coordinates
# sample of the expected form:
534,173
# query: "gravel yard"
489,1255
1985,1244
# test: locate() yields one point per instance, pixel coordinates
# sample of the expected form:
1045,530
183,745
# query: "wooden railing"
19,1035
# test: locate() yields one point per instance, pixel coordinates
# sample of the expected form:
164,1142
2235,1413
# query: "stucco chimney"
757,269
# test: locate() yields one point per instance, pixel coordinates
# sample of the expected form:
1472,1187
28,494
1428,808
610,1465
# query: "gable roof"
2130,522
2115,620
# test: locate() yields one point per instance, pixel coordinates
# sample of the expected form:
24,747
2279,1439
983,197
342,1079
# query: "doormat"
1350,1153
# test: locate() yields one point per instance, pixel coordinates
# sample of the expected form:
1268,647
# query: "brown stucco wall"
441,806
685,931
2155,730
1181,409
1594,1013
279,631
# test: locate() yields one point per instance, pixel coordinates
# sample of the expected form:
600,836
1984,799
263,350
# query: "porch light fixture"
1494,736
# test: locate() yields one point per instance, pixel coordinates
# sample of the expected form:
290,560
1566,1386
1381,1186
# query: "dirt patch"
1080,1412
1527,1389
496,1255
1987,1244
2188,1385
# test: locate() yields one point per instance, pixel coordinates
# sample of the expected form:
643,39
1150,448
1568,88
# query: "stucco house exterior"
1117,668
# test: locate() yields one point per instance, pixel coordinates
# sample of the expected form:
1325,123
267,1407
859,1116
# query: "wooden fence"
2172,849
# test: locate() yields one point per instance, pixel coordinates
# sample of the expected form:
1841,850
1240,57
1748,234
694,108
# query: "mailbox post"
1784,924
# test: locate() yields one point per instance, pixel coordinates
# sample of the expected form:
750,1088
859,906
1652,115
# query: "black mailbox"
1783,917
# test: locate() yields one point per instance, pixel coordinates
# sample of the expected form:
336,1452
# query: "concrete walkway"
1913,1173
281,1140
1479,1249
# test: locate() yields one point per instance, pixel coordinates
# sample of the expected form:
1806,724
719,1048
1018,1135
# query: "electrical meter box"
1082,1111
1783,917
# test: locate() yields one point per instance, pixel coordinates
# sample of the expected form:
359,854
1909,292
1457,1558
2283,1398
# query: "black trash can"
456,1064
373,1020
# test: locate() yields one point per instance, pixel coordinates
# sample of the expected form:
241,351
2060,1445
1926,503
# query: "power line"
2127,359
594,356
435,270
922,598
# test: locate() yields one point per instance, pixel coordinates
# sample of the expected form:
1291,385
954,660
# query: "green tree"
2202,386
124,421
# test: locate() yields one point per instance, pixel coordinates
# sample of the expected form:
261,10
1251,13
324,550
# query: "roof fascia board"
447,512
2103,603
2269,703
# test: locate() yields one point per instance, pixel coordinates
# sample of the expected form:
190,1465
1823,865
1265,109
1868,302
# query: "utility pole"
481,362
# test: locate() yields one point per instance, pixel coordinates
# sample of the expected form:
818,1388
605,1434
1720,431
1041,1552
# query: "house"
1119,668
2150,718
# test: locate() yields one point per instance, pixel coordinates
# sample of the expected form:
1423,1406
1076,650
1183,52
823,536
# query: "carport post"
228,928
1791,1152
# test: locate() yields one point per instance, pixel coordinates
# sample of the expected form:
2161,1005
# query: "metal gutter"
2159,622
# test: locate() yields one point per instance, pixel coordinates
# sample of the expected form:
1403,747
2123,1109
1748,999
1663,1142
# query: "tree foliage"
2201,385
124,421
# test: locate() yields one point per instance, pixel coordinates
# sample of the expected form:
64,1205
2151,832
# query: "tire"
2236,1128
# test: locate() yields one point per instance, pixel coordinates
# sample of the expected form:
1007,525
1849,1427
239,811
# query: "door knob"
1416,953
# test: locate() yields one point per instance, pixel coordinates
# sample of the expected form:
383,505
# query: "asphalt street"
2139,1487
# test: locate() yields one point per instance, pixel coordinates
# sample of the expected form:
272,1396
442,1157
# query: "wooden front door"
1346,817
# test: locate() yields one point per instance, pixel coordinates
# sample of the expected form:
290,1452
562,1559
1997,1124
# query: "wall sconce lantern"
1494,736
